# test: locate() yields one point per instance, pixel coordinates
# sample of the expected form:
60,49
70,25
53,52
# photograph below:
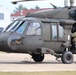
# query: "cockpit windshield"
17,26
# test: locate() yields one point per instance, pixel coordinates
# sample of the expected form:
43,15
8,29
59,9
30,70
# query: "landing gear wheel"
38,57
67,57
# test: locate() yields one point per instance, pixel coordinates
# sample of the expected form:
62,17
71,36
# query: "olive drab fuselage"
27,35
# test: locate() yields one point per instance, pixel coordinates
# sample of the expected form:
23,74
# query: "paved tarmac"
24,63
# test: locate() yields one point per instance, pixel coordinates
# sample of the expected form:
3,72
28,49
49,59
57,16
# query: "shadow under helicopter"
30,62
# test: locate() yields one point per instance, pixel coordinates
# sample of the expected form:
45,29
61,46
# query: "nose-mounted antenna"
55,7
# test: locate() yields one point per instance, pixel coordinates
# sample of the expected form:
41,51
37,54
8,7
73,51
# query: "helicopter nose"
9,42
14,42
3,41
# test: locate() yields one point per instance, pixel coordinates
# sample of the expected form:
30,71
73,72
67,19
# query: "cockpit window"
11,26
17,26
22,27
34,29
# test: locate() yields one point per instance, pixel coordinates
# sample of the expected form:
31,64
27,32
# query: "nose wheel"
38,57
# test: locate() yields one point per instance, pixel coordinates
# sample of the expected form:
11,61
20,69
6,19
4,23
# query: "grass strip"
39,73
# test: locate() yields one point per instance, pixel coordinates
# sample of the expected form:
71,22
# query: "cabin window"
34,29
54,32
61,32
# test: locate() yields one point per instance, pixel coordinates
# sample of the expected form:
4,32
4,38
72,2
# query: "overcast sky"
42,4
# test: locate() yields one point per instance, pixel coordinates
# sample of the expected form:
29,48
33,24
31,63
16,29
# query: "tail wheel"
38,57
67,57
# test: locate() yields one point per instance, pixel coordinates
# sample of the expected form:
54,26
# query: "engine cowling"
72,14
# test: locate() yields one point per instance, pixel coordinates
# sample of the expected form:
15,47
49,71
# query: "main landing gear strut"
66,56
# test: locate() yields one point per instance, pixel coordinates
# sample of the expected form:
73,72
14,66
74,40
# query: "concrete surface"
24,63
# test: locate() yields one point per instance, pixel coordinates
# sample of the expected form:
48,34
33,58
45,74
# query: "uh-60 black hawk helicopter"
44,32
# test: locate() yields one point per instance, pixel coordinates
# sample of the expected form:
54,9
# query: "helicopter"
43,32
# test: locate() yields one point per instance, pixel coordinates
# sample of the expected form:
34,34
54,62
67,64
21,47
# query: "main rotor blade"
16,1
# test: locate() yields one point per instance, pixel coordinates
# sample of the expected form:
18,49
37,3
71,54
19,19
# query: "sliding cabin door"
53,36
